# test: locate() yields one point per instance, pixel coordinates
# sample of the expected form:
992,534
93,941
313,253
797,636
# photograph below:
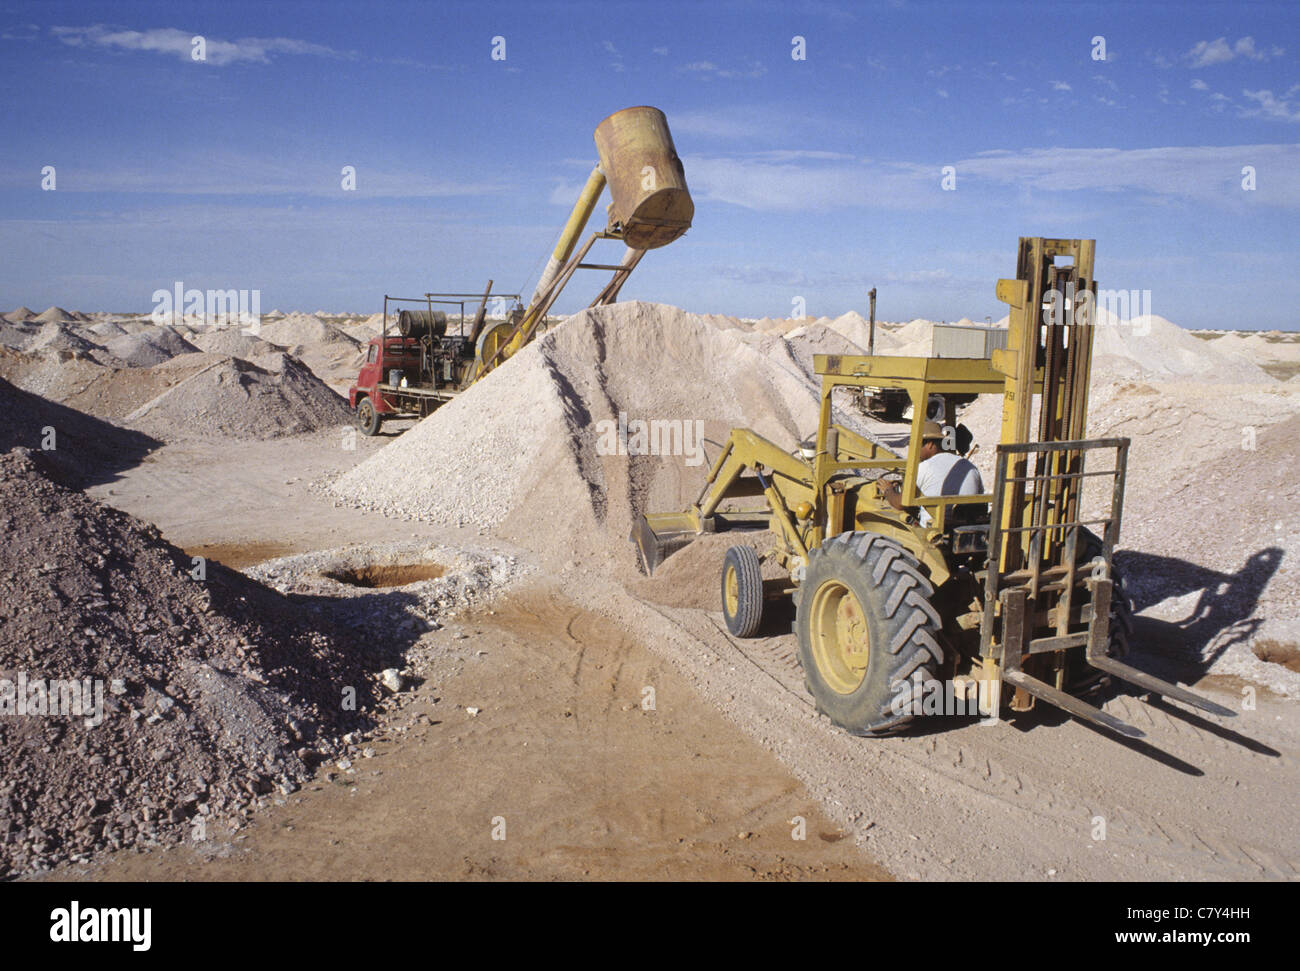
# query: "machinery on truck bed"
419,367
1013,588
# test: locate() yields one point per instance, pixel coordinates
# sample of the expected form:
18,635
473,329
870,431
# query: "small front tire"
742,591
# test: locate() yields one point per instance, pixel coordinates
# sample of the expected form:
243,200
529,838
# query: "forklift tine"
1071,704
1143,680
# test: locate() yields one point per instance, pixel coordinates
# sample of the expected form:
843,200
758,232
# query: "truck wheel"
742,591
866,627
368,419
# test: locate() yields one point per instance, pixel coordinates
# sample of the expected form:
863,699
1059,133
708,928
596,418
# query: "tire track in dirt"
1168,806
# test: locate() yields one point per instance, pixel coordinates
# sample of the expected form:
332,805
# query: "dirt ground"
591,786
591,782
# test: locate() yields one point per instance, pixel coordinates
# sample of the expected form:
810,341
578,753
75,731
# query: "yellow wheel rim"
492,341
839,639
731,591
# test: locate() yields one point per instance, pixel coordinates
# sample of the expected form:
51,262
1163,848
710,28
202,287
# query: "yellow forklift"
960,593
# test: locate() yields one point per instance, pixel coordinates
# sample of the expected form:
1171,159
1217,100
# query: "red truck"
416,367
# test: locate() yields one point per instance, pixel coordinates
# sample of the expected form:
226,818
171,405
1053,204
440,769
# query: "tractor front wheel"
742,591
866,628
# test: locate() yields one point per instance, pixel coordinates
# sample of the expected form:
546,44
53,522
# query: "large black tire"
368,419
864,593
742,591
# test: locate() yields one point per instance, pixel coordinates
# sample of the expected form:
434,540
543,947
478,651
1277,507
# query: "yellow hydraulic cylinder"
572,230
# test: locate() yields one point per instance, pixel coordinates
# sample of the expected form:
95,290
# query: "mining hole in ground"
390,575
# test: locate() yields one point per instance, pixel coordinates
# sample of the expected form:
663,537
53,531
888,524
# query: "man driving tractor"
939,473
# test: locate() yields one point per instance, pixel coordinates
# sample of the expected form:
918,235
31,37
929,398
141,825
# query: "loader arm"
779,477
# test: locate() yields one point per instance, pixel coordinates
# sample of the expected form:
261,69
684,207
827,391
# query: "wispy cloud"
24,32
793,184
1209,52
787,276
231,174
1061,86
1202,174
707,70
616,56
173,42
1281,109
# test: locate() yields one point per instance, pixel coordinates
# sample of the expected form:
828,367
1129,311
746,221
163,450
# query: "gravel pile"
216,692
298,329
106,330
233,342
16,336
525,446
60,340
149,347
1152,347
55,315
272,396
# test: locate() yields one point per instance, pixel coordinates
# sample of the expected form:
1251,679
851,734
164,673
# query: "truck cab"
378,393
383,356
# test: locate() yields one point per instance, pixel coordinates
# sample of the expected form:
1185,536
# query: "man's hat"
932,430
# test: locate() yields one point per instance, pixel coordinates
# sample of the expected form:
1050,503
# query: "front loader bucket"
658,535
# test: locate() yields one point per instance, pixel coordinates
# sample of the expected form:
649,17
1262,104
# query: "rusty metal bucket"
646,179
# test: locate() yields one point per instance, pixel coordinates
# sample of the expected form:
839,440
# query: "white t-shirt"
947,474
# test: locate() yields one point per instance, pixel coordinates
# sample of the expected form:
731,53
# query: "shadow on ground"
1224,613
79,449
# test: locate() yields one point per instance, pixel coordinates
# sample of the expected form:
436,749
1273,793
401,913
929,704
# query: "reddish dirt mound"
195,695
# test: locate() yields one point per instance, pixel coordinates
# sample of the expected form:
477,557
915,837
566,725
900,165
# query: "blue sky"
814,178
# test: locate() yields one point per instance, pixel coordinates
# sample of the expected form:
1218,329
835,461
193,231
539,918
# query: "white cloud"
616,62
1209,52
1061,86
1200,173
661,51
1280,109
1199,85
1205,174
707,70
23,32
171,41
225,173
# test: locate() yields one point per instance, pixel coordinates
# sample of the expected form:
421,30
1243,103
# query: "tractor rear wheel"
367,417
866,627
742,591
